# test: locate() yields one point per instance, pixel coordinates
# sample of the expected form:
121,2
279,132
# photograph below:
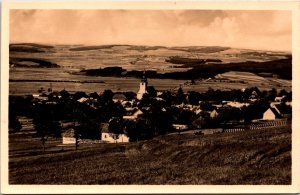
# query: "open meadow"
249,157
33,66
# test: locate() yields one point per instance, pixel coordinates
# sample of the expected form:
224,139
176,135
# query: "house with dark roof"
277,111
284,110
119,97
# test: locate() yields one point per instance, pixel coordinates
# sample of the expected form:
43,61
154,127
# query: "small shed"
68,136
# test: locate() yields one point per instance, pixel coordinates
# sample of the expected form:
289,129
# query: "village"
126,117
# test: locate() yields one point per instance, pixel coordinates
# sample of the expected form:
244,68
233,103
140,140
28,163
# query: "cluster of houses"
278,109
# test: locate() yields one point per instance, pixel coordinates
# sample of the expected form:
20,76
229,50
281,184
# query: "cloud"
245,29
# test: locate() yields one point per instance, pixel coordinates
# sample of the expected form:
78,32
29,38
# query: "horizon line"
125,44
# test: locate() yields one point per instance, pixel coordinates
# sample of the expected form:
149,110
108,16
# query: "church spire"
144,78
143,86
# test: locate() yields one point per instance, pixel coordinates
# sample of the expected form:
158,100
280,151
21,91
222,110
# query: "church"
143,87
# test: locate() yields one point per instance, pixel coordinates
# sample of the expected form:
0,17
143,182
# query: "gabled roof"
214,114
69,133
83,99
277,115
283,109
119,96
104,128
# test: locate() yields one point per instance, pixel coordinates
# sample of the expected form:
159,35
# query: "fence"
268,124
261,125
233,130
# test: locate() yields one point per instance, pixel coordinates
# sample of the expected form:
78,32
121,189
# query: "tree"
204,105
130,95
64,94
194,98
180,96
186,117
151,91
115,127
79,94
41,90
138,130
168,97
45,122
107,95
272,94
14,124
282,92
94,95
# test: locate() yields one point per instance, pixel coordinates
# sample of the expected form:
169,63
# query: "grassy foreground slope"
253,157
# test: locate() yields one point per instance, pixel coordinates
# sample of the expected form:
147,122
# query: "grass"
253,157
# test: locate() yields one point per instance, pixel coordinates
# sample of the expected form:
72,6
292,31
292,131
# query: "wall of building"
69,140
269,115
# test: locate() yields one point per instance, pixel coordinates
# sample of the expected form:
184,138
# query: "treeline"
189,61
282,68
27,62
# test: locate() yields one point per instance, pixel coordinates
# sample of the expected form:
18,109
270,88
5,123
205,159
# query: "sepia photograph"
149,96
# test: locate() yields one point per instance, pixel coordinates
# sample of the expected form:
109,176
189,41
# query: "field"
238,80
131,84
251,157
74,58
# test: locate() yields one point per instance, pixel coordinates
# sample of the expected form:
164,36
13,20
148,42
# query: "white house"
277,111
270,114
180,127
108,137
68,137
40,96
111,138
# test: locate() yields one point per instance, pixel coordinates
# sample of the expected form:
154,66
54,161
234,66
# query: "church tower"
143,87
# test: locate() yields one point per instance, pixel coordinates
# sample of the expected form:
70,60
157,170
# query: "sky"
264,30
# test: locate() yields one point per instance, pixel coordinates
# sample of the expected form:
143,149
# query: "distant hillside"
190,61
30,48
282,68
87,48
201,49
130,47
